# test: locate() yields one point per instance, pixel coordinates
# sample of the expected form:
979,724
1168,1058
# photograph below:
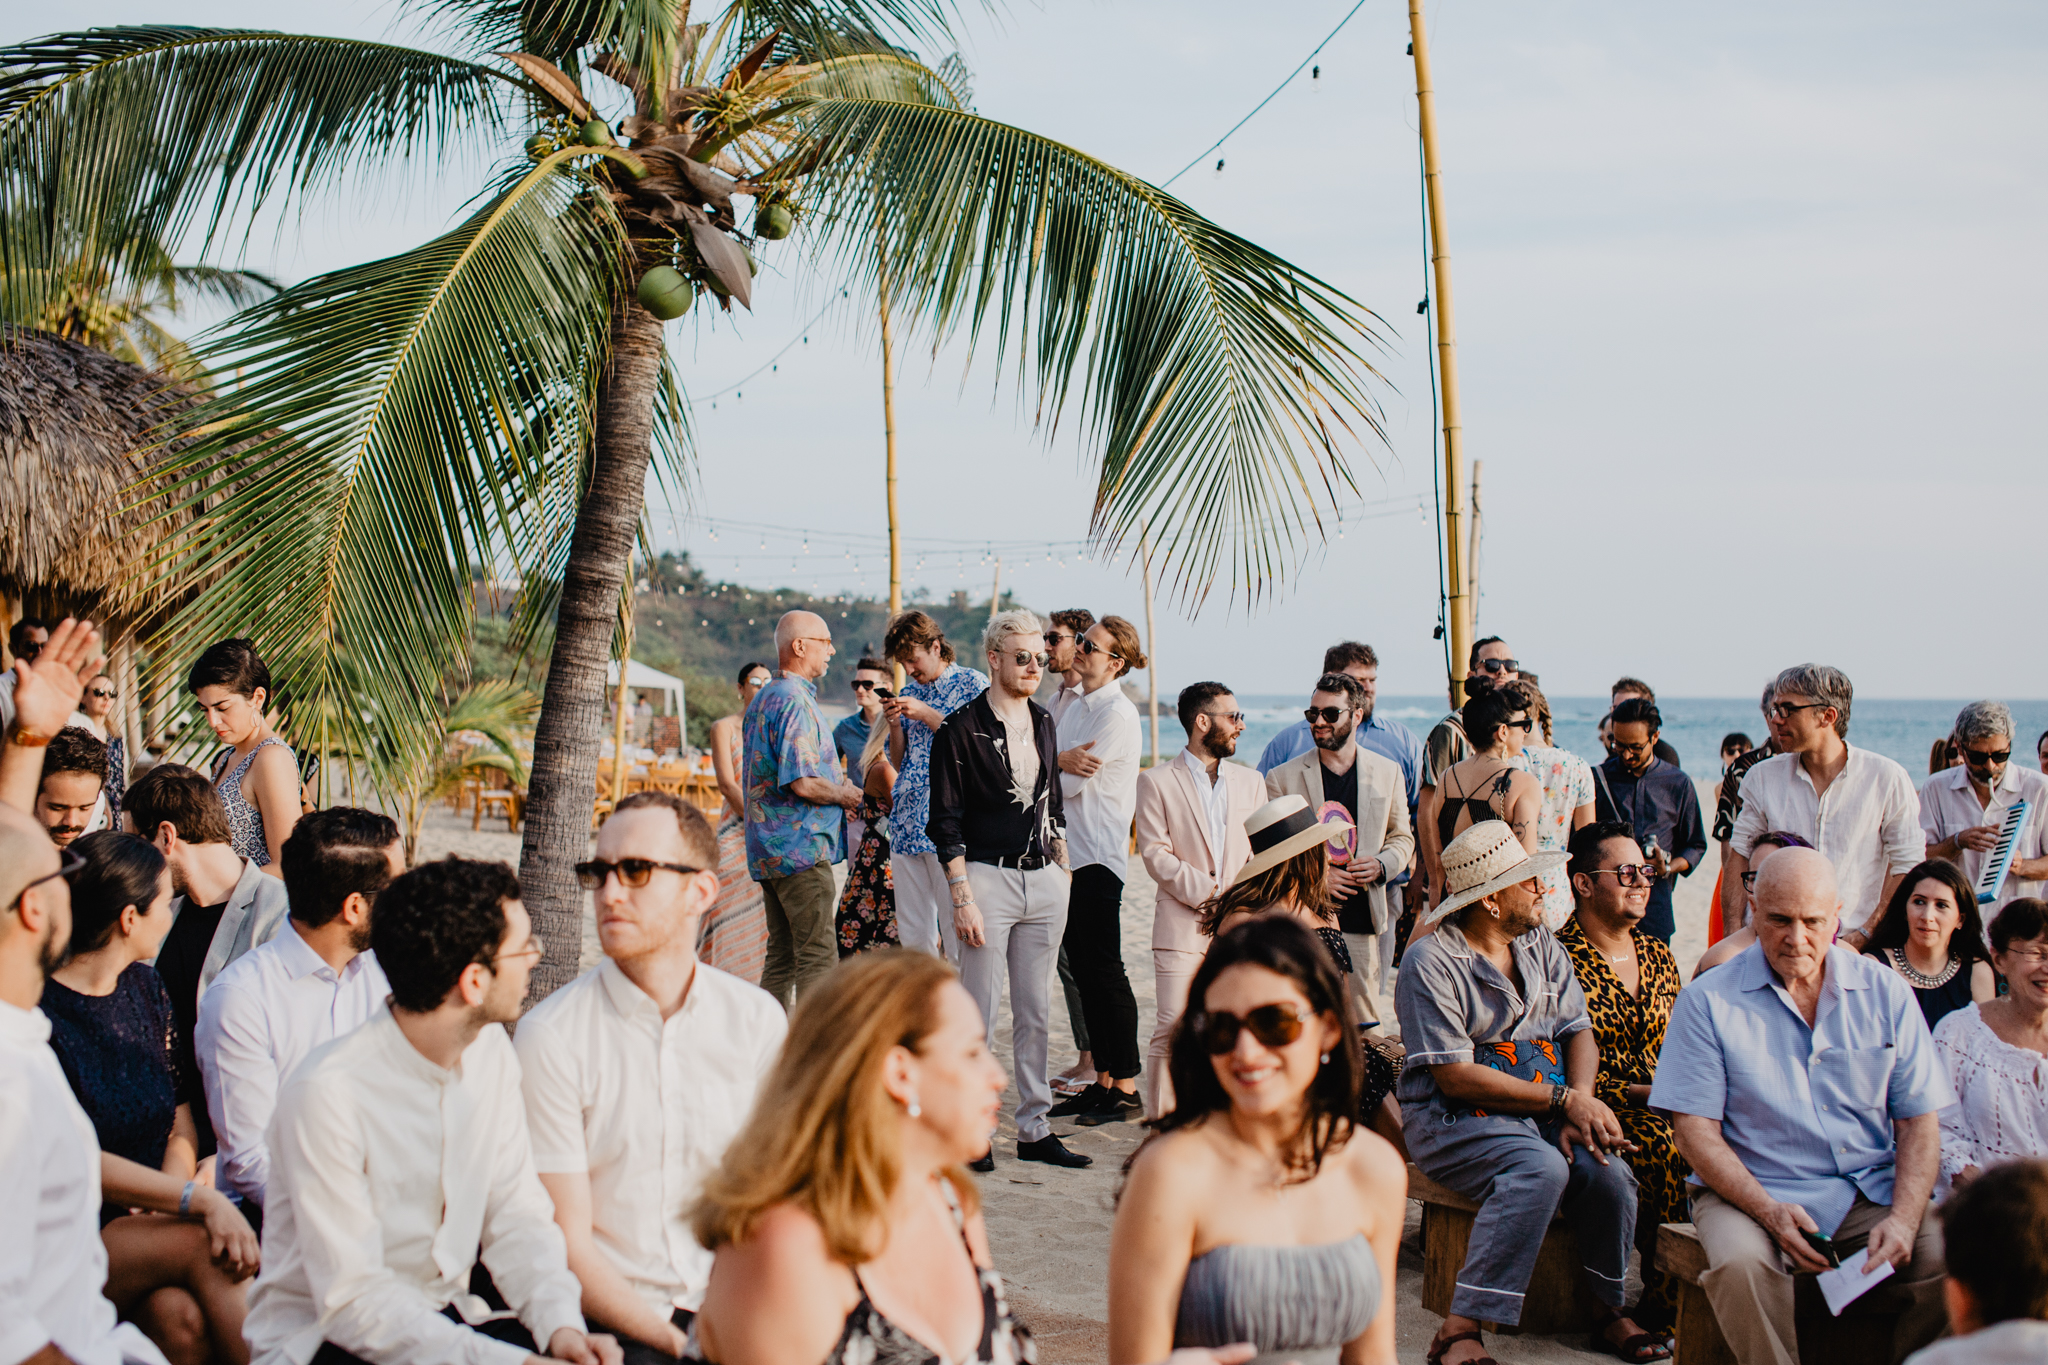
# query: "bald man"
797,797
1804,1090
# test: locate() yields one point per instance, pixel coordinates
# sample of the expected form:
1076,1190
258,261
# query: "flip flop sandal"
1438,1347
1641,1349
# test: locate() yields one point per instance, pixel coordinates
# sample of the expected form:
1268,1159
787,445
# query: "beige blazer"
1383,829
1174,841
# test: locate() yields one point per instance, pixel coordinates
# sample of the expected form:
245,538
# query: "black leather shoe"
1112,1107
1094,1097
985,1163
1052,1152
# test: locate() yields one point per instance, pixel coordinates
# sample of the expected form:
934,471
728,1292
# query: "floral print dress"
867,908
1567,783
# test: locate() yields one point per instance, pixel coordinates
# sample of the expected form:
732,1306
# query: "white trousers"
924,905
1023,918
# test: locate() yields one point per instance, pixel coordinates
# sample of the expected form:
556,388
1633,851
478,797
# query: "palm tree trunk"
563,786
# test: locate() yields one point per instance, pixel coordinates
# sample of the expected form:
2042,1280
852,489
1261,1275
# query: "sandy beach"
1049,1228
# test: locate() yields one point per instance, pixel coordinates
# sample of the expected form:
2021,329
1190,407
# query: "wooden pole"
1458,608
619,765
889,440
1478,524
1151,644
995,594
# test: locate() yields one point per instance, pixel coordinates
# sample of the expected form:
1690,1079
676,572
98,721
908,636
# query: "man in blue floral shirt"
795,794
937,687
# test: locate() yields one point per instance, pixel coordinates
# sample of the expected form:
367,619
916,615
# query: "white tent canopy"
642,678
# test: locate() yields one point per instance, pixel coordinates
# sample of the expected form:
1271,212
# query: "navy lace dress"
116,1052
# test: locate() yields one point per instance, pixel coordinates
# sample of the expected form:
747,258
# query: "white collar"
20,1025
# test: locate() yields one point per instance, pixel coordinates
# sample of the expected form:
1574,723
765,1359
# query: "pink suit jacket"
1174,841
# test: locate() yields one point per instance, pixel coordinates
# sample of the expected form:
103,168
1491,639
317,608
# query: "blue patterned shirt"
784,738
945,694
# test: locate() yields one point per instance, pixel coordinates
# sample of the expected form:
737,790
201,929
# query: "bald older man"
1804,1091
796,795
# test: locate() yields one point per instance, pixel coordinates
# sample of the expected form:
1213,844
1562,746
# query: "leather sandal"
1640,1349
1442,1344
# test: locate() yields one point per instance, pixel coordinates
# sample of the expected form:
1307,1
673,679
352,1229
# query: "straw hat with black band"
1482,860
1280,829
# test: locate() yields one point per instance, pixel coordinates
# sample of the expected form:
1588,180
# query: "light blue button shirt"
1808,1110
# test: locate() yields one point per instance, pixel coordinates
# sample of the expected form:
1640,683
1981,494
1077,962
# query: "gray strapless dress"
1293,1303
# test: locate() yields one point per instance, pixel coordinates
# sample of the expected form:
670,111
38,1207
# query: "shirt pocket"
1859,1077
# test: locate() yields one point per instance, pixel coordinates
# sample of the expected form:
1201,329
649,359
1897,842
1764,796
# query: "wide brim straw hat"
1484,859
1280,829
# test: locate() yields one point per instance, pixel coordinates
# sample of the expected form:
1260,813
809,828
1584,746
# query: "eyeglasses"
1273,1025
1749,881
633,872
103,693
534,949
2028,957
1024,659
1501,665
1977,758
1329,715
1234,717
812,639
1088,646
863,685
1629,874
68,862
757,681
1053,637
1782,710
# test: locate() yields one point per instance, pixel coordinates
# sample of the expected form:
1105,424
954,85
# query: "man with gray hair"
1000,826
1962,808
1858,808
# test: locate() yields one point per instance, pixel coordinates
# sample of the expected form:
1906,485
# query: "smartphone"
1825,1246
884,693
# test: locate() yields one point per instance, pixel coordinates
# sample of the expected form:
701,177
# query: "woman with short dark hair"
258,776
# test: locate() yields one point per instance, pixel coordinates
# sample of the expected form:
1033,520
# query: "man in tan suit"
1342,781
1191,835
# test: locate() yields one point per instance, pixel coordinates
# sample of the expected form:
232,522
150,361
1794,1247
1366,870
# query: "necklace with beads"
1918,979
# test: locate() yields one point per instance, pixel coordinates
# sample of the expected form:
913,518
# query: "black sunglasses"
1526,725
1088,646
634,872
1235,717
1273,1025
1977,758
1501,665
1329,715
105,693
863,685
1782,710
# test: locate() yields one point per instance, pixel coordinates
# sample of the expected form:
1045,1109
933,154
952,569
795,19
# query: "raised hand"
50,686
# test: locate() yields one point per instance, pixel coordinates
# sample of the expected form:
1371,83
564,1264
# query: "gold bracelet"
27,738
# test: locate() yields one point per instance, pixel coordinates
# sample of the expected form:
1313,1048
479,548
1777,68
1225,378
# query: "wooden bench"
1863,1332
1556,1300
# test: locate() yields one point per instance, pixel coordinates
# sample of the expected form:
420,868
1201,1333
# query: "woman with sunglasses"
1489,785
95,711
1260,1210
177,1273
1931,935
735,933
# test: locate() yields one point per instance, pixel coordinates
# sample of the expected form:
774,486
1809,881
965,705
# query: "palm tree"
479,733
493,398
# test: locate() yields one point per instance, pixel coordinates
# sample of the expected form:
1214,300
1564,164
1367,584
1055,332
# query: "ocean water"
1900,730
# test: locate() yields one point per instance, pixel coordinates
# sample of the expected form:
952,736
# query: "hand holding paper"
1851,1282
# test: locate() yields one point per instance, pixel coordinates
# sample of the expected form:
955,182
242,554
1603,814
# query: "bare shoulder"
778,1297
276,758
1375,1167
1174,1160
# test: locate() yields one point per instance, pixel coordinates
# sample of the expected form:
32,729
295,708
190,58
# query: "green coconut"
753,266
773,221
596,133
539,146
716,285
665,292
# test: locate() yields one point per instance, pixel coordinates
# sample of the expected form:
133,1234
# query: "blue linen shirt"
1809,1111
849,737
911,810
1388,738
783,738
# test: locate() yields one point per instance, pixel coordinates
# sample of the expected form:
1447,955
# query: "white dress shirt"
1867,823
1949,805
259,1019
53,1266
1215,797
1098,808
647,1107
388,1175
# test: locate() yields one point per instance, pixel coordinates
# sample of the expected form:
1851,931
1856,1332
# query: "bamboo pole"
1458,607
995,594
619,765
1478,526
889,440
1151,644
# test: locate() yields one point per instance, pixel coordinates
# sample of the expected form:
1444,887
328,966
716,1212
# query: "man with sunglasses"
400,1159
25,640
1858,808
638,1074
1963,808
1654,799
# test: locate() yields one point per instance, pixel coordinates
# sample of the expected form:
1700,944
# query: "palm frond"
236,288
1221,384
114,142
401,429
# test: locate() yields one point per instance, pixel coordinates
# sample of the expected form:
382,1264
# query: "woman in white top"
1996,1052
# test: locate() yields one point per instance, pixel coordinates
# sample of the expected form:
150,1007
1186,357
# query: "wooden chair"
1556,1300
1863,1332
501,801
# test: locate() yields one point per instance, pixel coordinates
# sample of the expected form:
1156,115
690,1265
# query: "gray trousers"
1024,917
924,904
1519,1181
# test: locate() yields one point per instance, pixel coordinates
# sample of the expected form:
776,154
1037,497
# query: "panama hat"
1280,829
1484,859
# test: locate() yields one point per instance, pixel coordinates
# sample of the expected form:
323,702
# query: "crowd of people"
263,1100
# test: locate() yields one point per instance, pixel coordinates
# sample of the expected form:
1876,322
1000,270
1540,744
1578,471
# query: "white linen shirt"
258,1020
647,1106
1948,806
390,1177
1215,797
1867,823
1098,808
53,1265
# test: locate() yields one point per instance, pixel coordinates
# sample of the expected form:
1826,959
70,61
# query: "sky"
1747,295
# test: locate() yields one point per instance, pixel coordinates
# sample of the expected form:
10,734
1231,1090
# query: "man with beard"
1190,816
1361,796
74,775
1657,801
309,985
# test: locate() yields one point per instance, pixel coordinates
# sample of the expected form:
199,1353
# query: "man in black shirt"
1657,801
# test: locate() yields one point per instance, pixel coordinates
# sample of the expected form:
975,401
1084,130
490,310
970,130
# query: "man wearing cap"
1497,1097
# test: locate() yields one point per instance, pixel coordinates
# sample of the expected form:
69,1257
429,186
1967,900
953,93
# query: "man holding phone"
1804,1090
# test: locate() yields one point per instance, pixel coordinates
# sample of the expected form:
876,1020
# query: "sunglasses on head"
1329,715
1088,646
1273,1025
1024,658
633,872
1501,665
1977,758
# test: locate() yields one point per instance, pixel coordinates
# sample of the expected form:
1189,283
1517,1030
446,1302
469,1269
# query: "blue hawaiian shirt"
784,738
946,694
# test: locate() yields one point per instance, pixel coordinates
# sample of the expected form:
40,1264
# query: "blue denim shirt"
1808,1110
